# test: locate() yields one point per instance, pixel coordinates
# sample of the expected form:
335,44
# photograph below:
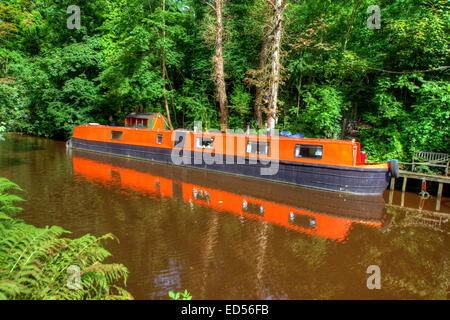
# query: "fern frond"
7,185
4,216
34,261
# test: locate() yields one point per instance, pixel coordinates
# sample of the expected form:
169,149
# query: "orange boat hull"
338,169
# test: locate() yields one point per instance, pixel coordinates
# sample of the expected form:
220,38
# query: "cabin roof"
142,115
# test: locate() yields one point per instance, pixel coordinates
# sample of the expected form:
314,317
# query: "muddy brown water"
226,237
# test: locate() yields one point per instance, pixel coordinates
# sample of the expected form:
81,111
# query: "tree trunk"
222,98
350,23
279,7
260,88
164,68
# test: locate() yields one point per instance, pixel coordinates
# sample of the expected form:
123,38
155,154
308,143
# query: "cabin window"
308,151
258,147
159,139
116,135
204,143
253,208
302,221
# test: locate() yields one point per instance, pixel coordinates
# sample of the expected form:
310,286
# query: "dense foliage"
35,263
387,87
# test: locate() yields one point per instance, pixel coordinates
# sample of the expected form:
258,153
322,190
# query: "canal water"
226,237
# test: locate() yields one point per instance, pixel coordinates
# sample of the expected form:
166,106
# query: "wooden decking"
441,180
423,218
427,177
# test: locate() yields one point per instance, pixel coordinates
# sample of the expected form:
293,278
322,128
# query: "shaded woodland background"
388,88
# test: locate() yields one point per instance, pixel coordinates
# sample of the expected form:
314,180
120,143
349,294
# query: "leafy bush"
180,295
324,107
240,107
34,262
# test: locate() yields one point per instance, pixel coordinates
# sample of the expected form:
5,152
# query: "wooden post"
403,191
404,184
439,196
391,192
392,184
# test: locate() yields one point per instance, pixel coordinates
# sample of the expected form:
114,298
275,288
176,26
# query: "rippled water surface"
228,237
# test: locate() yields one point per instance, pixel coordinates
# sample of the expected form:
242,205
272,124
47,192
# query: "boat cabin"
146,120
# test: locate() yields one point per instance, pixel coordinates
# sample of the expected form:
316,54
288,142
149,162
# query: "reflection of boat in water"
320,213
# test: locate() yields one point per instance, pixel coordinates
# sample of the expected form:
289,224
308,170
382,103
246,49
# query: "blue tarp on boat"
285,134
290,135
298,135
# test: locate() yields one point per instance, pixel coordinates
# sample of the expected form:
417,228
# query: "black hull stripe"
341,179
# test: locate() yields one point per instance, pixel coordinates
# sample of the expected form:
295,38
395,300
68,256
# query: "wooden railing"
432,159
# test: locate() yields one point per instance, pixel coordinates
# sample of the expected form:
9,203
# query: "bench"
432,159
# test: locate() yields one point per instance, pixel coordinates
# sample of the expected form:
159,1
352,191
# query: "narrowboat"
334,165
317,213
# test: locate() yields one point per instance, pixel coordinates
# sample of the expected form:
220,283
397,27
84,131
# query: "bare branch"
212,7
